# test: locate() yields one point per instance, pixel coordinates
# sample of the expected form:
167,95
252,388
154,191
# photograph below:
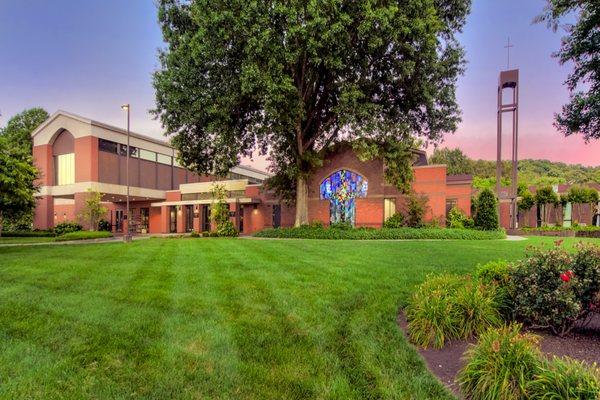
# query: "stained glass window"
342,188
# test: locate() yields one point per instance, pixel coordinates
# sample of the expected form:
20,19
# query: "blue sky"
89,57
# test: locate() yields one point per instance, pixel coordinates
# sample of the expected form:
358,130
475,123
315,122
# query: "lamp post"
127,236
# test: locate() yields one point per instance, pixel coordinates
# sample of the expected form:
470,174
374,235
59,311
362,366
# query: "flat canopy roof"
240,200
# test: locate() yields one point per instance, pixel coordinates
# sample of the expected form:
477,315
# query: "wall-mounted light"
64,215
55,216
254,209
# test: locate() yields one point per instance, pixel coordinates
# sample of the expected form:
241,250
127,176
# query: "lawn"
220,318
23,240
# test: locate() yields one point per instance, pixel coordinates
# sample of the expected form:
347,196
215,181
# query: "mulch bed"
446,362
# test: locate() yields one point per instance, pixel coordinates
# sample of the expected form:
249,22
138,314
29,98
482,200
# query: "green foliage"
500,365
579,47
195,234
450,307
395,221
219,212
343,225
289,79
18,129
527,201
93,209
456,161
416,206
66,227
431,316
28,234
306,232
497,274
104,225
554,289
565,378
486,215
83,235
17,187
456,219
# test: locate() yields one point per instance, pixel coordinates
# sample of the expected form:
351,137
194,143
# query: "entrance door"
172,219
276,215
189,218
119,220
205,218
144,218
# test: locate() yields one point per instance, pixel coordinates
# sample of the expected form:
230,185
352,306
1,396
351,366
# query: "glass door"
119,220
189,218
173,219
144,219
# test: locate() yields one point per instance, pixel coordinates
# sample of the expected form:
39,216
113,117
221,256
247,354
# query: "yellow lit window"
65,169
389,208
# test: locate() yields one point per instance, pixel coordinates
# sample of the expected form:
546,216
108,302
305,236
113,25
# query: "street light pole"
127,236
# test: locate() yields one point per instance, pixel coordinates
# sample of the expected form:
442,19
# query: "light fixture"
125,107
55,216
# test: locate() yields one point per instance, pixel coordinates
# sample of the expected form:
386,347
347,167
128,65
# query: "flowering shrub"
554,289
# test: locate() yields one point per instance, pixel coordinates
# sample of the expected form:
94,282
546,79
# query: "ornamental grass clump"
501,365
447,307
564,379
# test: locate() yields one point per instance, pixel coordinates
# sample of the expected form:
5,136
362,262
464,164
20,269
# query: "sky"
89,57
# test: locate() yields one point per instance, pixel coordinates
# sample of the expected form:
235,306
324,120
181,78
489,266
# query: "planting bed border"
445,363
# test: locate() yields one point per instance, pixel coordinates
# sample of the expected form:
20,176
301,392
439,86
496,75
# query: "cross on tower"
507,47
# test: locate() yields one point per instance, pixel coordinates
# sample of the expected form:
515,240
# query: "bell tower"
508,80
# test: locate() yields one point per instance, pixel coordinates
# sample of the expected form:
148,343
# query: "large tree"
17,187
456,161
18,129
292,78
580,46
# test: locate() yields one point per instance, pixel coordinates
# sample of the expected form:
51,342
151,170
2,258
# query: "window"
107,146
133,151
163,159
450,204
342,188
389,208
147,155
64,166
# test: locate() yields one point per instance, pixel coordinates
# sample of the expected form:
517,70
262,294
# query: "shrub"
306,232
458,220
564,378
219,212
344,225
194,234
486,215
497,274
28,234
586,268
81,235
104,225
226,229
449,307
543,296
416,205
500,365
395,221
67,227
316,224
430,314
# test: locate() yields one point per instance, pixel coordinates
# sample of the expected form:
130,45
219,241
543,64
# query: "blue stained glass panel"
342,188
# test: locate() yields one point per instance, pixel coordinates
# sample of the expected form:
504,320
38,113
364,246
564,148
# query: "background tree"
292,78
17,188
93,210
486,214
580,46
545,196
525,202
18,129
455,159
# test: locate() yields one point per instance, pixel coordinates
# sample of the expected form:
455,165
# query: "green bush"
395,221
341,225
104,225
316,224
450,307
416,205
486,215
554,289
67,227
306,232
226,229
81,235
458,220
431,315
497,274
28,233
565,378
194,234
500,365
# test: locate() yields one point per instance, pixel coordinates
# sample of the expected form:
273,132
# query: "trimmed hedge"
27,234
308,232
82,235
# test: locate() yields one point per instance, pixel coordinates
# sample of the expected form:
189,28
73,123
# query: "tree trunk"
301,201
1,223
